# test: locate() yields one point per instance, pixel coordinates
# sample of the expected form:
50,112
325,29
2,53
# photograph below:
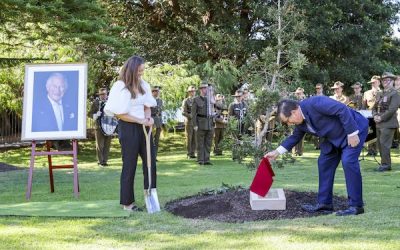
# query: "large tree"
62,31
346,38
174,31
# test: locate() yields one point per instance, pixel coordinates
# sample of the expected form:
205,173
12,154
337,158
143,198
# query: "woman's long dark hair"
129,75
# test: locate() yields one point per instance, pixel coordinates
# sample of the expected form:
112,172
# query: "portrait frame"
54,103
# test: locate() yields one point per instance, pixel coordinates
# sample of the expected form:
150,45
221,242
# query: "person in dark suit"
51,112
343,132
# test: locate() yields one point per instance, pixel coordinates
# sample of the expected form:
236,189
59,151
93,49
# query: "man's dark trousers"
327,164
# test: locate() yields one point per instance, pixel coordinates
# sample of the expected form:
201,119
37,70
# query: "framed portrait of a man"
54,102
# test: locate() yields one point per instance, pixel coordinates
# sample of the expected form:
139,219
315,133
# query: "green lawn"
378,228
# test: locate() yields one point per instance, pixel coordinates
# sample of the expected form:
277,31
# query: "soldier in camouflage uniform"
187,113
356,100
204,125
221,119
338,96
385,116
156,115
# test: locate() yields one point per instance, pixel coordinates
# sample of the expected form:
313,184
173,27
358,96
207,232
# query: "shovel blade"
151,200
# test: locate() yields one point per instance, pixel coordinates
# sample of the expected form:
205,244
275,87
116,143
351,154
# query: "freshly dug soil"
234,206
6,167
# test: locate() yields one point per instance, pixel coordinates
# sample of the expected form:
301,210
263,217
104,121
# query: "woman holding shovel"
130,100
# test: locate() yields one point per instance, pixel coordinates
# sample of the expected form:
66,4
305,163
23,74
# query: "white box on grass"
274,200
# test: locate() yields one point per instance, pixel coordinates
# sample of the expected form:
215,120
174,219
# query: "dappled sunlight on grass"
179,177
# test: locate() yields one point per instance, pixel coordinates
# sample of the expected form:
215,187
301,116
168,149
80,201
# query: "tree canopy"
220,40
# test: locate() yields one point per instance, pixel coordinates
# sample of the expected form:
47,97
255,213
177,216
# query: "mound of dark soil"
234,206
6,167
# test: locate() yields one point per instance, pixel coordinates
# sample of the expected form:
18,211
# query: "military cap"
374,78
357,84
388,75
337,85
191,88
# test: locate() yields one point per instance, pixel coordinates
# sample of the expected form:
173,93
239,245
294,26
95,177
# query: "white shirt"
120,100
58,112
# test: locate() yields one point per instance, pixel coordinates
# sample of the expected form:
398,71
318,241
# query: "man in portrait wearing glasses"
343,132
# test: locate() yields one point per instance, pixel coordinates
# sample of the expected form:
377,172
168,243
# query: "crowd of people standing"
138,108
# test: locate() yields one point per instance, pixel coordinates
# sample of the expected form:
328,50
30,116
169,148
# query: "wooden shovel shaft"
148,154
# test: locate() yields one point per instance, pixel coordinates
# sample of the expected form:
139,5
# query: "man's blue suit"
333,121
44,119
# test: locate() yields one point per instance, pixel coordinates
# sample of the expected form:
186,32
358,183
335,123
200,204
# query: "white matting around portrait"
35,91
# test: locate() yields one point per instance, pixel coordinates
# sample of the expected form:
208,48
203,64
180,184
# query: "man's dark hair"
102,89
286,106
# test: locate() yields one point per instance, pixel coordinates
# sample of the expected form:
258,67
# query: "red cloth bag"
262,181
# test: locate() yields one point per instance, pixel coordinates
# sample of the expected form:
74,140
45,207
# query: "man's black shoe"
383,168
317,208
208,163
350,211
201,163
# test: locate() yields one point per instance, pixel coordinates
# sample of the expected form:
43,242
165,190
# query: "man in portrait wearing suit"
52,112
343,132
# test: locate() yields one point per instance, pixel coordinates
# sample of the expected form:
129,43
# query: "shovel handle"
148,153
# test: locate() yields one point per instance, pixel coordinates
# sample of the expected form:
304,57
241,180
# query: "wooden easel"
49,153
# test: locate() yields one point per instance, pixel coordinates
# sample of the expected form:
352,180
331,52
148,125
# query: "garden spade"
150,194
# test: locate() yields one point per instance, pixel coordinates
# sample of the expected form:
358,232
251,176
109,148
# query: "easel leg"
32,163
48,146
75,161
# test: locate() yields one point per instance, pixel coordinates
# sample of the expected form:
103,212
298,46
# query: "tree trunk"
279,47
